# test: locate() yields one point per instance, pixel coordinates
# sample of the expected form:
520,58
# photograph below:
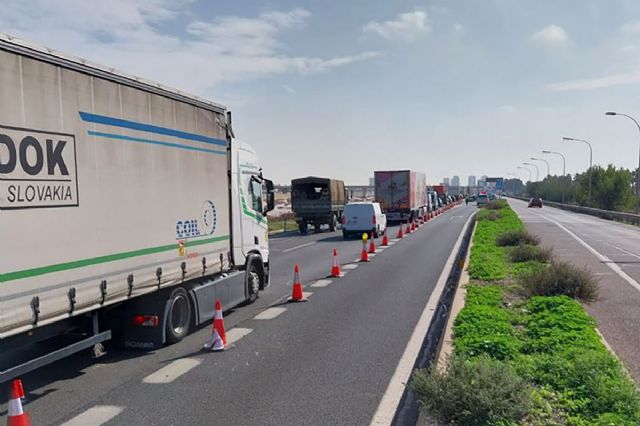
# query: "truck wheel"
303,228
254,281
178,316
316,226
333,224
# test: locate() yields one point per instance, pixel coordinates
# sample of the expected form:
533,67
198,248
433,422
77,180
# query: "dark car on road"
535,202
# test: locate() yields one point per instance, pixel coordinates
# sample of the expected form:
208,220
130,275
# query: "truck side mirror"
270,196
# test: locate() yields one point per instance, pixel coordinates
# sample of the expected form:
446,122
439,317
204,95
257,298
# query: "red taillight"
373,219
146,320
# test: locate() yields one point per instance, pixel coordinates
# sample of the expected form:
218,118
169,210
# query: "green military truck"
317,201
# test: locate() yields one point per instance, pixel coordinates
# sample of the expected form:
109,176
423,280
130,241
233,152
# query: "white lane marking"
299,247
372,255
613,246
270,313
350,266
95,416
172,371
236,334
321,283
382,248
391,398
604,259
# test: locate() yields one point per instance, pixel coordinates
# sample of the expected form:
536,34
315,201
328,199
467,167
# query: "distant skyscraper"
472,181
445,181
455,181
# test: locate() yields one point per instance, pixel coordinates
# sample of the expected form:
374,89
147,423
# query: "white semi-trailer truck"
126,208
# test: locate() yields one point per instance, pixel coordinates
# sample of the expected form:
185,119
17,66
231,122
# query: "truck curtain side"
109,189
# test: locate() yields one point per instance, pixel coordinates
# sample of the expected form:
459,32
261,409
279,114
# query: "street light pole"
537,170
542,159
590,162
564,168
638,125
524,168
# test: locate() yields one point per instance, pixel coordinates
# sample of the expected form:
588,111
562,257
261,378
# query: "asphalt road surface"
611,250
326,361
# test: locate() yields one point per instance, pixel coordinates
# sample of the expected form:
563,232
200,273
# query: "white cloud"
149,38
551,36
595,83
632,27
406,26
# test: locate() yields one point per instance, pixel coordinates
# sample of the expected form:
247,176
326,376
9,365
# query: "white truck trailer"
126,208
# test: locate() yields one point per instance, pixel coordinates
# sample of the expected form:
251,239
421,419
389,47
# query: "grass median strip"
525,350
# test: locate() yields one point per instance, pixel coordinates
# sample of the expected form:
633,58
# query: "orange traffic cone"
385,240
296,294
218,336
413,225
15,415
364,256
400,235
408,230
372,244
335,269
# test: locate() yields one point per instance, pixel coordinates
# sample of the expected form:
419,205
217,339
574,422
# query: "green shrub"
528,252
516,237
494,215
482,391
489,295
561,278
497,205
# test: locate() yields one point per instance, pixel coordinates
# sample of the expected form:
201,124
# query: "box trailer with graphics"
401,193
124,206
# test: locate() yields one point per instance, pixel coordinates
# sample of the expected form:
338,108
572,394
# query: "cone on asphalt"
385,240
408,230
15,414
372,244
335,268
400,234
413,225
297,295
364,256
218,336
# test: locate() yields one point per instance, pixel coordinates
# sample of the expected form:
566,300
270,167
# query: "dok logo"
37,169
197,228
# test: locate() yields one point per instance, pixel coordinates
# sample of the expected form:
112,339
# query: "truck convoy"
317,201
401,193
124,206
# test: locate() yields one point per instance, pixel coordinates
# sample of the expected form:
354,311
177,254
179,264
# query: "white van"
359,218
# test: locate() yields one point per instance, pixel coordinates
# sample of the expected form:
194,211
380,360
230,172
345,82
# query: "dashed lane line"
321,283
299,247
95,416
350,266
172,371
270,313
237,333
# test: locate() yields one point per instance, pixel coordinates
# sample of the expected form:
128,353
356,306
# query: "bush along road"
525,351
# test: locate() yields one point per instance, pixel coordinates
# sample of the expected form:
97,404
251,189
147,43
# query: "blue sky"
339,89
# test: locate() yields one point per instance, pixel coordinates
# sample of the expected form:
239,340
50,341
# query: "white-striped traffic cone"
218,336
15,415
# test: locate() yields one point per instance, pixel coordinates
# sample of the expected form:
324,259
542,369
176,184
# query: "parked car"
483,200
362,217
535,202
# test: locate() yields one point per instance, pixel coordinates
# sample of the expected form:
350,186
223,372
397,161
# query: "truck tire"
302,227
333,224
316,226
178,315
254,279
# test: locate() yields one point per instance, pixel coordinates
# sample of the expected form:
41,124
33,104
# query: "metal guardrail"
631,218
